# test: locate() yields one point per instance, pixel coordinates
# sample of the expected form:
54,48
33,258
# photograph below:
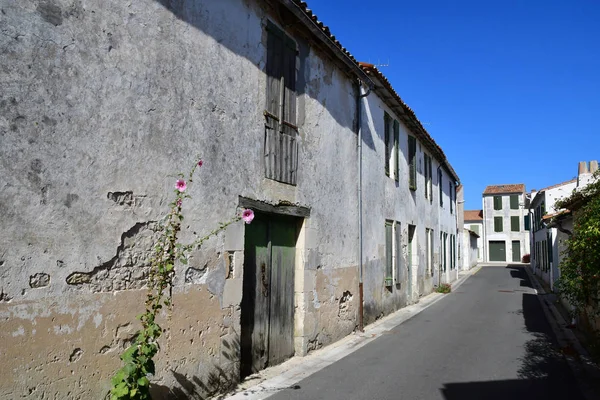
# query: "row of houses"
357,208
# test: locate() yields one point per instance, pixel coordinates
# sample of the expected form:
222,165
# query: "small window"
526,222
514,201
497,202
451,195
428,177
474,228
498,224
412,162
514,224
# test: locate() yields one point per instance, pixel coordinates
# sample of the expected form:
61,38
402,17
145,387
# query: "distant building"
505,223
474,223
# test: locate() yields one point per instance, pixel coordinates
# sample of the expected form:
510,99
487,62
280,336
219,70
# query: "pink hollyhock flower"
181,185
248,216
200,163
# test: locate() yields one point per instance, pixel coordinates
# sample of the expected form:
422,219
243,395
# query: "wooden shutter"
388,253
498,224
387,133
430,182
441,189
497,202
451,194
398,237
514,202
514,224
527,222
396,149
412,160
281,133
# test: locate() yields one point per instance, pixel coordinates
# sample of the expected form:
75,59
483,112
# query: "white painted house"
505,223
473,221
104,102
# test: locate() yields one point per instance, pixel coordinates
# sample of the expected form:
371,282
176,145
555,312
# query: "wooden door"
267,320
516,251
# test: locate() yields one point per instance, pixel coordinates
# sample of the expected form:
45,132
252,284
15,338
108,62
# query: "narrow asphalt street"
487,340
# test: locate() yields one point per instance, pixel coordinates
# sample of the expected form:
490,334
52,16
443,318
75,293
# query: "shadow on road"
543,373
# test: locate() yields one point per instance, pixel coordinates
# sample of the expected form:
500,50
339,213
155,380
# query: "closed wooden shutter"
387,134
388,253
399,271
412,160
498,224
497,202
281,132
514,224
396,150
514,202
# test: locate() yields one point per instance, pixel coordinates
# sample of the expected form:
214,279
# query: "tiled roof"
409,117
512,188
574,180
473,215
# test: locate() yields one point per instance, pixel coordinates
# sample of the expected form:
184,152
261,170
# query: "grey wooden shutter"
397,149
514,224
386,128
514,202
412,159
281,133
388,253
497,202
498,224
399,272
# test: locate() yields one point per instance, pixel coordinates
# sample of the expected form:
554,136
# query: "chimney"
593,166
583,168
584,174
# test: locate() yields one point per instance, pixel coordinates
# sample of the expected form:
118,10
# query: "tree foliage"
579,282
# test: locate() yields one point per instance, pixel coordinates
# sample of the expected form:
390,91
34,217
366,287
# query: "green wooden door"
497,251
516,251
267,317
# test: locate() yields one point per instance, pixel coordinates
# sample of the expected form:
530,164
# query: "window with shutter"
498,224
412,162
396,150
281,132
451,194
514,224
428,177
441,189
398,247
514,201
527,222
388,253
387,127
497,202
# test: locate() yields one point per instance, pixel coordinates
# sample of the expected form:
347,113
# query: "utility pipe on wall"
360,224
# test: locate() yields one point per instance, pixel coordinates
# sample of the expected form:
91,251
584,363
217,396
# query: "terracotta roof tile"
511,188
473,215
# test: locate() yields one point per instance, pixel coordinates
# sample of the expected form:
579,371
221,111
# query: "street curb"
581,364
286,375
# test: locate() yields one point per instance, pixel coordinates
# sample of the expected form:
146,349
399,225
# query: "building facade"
505,223
355,203
473,221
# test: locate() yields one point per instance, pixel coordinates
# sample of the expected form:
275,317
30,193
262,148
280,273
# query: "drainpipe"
439,168
360,222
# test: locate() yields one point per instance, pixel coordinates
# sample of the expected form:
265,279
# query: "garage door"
497,251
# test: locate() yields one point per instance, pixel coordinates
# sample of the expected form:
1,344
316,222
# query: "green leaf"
143,381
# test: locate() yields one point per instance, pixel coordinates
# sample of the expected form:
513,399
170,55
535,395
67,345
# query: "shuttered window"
527,222
412,162
514,224
497,202
428,178
514,201
281,132
387,127
396,150
398,252
498,224
441,189
451,194
388,253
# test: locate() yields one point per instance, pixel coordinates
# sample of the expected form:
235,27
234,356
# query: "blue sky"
509,89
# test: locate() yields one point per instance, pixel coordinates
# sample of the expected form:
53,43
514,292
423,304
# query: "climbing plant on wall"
579,282
131,380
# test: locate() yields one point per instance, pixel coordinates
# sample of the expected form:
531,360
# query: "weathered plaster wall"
404,206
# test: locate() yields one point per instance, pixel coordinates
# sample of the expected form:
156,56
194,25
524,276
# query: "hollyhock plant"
248,215
181,185
200,162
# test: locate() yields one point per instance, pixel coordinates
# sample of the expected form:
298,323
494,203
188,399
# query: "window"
412,162
398,251
514,224
497,202
387,126
429,250
498,224
412,241
396,150
514,201
474,228
428,178
526,222
281,132
389,251
445,251
441,189
451,195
